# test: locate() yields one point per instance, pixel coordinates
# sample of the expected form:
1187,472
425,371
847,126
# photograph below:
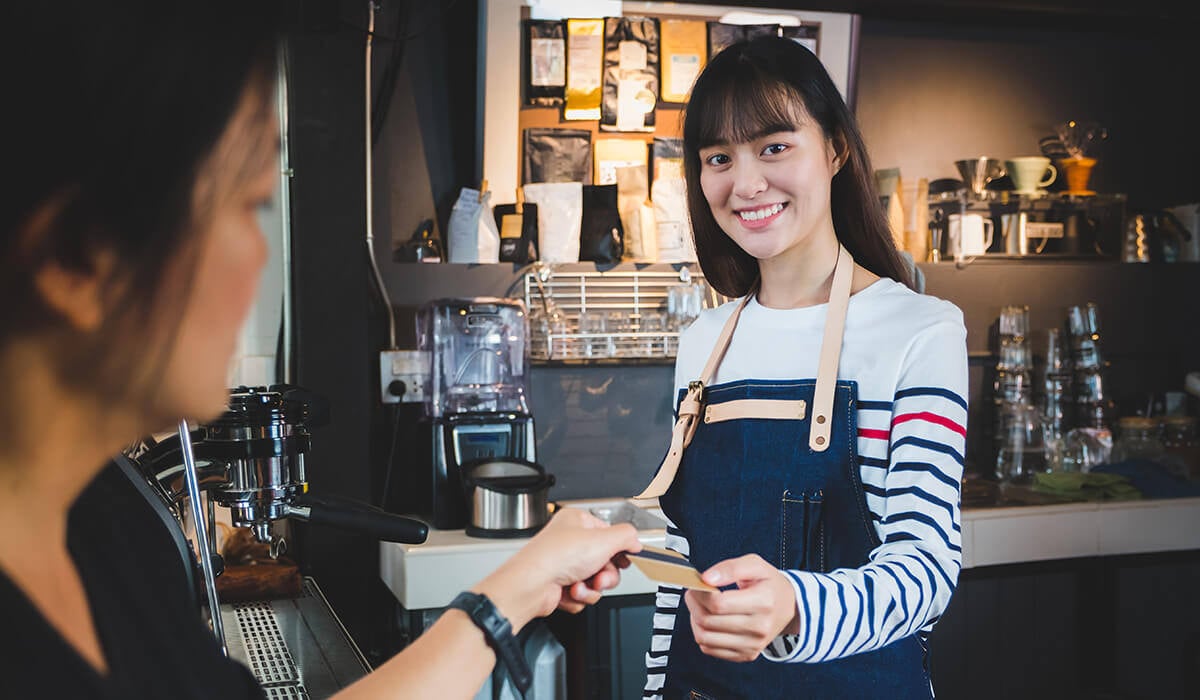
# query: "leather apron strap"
831,352
831,349
689,410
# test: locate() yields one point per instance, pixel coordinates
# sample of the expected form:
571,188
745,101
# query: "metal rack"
296,648
640,301
1046,225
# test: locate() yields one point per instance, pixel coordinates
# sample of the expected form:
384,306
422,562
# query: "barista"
142,139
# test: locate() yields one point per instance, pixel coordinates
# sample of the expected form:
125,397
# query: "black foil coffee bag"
721,35
631,60
557,155
545,54
518,232
807,35
601,237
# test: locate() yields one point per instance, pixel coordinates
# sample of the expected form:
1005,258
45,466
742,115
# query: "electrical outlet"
403,375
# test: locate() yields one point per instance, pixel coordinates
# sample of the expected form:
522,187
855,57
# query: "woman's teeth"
758,214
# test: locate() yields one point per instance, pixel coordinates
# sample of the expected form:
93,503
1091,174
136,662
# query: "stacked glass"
1089,441
1092,405
1020,441
1056,388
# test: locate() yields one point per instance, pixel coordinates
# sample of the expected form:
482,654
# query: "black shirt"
155,639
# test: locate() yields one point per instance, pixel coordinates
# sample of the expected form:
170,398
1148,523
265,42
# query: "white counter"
429,575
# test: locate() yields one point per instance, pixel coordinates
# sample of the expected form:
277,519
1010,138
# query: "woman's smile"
760,217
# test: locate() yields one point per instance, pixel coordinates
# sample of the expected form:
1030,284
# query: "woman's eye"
775,149
717,159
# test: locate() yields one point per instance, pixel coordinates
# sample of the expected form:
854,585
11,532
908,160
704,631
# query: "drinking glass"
1014,355
548,329
684,302
653,342
1014,322
592,328
1023,449
1084,320
1084,448
618,324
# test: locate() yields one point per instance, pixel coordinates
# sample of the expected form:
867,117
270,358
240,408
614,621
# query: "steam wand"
206,562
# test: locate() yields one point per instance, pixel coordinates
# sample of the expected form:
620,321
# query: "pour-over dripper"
978,172
1079,138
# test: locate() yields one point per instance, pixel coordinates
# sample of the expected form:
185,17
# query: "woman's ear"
77,293
841,152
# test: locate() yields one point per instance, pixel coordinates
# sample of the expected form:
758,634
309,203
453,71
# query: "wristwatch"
498,631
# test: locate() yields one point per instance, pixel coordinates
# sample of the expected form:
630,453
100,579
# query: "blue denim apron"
773,487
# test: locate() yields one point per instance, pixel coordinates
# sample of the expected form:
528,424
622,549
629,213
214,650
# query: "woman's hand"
566,565
737,624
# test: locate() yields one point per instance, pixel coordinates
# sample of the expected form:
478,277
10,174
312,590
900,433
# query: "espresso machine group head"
251,460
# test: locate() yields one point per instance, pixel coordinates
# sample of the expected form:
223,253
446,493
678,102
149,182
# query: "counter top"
428,575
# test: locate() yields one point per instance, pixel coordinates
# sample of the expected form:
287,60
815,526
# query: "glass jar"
1138,437
1181,440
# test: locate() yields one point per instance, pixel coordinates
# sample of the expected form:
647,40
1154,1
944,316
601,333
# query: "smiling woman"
823,501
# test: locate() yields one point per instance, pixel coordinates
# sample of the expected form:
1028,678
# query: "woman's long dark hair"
115,111
756,87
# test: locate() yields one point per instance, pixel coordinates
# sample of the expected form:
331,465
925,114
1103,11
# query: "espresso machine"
251,460
476,405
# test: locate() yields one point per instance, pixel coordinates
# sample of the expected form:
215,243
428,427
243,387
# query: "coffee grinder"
476,402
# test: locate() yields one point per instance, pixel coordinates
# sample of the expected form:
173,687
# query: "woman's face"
771,194
223,266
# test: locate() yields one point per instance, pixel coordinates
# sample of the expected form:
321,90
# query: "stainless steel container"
506,498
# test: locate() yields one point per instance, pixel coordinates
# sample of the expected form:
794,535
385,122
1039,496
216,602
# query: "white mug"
970,234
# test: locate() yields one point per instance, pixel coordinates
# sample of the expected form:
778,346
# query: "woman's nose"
748,180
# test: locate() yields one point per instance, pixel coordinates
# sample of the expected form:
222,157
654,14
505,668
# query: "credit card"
668,567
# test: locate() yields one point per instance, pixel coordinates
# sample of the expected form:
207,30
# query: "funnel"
978,172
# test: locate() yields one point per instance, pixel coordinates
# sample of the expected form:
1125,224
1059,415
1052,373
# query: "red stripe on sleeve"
930,418
874,433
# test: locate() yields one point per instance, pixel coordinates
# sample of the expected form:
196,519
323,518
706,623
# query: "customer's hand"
738,623
566,565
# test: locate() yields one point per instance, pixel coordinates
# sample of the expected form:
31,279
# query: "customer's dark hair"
758,86
114,110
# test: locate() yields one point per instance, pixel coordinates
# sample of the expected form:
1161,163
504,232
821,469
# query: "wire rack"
613,315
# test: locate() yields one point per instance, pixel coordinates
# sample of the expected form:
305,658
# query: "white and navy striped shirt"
907,353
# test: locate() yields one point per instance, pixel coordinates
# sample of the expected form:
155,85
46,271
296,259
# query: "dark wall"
930,93
423,145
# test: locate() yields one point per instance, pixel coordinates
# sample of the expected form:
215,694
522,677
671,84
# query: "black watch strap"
498,631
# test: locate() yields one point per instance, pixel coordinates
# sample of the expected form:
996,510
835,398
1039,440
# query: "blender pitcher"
479,357
476,403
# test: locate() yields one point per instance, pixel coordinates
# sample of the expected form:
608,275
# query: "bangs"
738,104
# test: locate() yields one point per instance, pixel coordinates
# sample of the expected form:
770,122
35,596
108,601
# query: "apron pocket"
801,532
815,556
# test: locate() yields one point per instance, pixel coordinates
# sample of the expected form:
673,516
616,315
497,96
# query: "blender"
476,406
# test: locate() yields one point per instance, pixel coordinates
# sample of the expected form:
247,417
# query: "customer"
141,144
820,488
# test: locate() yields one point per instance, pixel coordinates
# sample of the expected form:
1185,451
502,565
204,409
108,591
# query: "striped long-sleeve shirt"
907,353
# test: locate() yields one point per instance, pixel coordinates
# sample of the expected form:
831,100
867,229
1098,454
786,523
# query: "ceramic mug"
970,234
1030,173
